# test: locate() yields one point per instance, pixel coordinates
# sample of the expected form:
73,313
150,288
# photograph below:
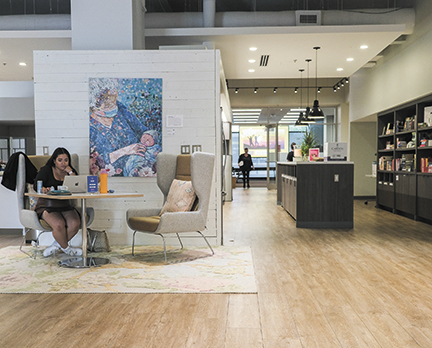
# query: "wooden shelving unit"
402,187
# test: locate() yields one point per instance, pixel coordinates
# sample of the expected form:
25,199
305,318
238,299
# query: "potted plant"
309,142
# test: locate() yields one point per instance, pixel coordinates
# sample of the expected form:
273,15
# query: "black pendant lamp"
299,121
316,111
306,118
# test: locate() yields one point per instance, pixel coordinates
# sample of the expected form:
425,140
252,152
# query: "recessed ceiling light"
350,59
251,60
339,69
251,70
22,64
363,47
252,48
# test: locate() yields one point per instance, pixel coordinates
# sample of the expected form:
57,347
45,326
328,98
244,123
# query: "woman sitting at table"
59,214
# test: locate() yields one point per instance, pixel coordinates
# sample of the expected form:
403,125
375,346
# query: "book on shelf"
409,123
426,165
385,163
389,129
399,126
401,144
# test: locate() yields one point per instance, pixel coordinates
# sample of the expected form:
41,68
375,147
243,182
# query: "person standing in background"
246,164
290,156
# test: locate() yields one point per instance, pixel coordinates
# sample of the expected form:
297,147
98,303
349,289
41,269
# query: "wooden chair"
197,168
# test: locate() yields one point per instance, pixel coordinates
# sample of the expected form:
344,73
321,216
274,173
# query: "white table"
84,261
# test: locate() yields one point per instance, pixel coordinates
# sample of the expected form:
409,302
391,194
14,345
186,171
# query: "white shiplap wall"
191,87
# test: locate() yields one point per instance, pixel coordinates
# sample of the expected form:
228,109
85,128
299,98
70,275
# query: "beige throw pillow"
181,197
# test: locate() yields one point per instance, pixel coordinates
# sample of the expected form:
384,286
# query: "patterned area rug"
230,270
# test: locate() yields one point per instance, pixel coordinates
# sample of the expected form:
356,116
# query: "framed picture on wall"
125,117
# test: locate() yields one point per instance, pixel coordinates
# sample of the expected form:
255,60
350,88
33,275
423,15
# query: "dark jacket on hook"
10,172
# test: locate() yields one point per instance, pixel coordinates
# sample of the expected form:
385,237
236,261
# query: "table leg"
84,229
83,261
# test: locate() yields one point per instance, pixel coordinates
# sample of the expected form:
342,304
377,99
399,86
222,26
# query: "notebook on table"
76,183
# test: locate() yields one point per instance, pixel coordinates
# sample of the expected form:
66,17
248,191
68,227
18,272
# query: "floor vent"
308,17
264,60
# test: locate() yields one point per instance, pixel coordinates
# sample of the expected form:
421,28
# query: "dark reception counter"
317,194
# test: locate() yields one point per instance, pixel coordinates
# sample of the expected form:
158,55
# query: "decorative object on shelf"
316,112
412,143
428,116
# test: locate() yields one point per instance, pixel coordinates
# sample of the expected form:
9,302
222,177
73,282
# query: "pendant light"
306,118
300,119
316,110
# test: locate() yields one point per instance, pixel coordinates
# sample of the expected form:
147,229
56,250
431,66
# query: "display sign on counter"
335,151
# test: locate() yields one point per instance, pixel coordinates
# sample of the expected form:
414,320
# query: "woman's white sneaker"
52,249
72,251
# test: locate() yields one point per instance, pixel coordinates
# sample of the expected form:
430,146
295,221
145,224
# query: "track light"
319,90
236,90
334,89
255,90
296,90
275,90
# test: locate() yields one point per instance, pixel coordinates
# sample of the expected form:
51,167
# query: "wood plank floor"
366,287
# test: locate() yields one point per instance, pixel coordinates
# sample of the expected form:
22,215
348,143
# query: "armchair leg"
22,244
208,244
133,243
34,243
175,250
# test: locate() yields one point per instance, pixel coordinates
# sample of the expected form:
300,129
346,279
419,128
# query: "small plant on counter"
309,142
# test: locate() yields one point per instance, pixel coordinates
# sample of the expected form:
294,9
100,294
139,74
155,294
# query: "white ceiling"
18,46
287,47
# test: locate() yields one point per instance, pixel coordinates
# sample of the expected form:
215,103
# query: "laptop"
76,183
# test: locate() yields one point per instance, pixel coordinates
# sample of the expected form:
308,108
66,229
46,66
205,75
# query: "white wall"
362,151
404,76
102,24
191,88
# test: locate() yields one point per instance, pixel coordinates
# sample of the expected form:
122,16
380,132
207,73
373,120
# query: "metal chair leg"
34,243
133,243
206,242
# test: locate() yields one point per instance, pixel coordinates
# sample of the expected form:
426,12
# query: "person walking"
246,164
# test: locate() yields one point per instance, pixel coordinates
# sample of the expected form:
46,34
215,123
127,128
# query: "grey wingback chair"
197,168
28,218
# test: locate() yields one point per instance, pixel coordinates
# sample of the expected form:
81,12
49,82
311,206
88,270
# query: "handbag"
97,241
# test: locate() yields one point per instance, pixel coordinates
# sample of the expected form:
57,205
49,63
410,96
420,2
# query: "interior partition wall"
190,92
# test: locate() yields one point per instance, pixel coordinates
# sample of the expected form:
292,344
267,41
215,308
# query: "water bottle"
103,181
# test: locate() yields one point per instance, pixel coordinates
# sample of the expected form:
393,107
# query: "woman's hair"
98,87
292,145
56,153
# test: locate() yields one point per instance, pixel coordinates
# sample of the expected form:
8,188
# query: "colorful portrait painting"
125,126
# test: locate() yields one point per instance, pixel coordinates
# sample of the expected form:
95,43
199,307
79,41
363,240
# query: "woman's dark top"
247,162
50,205
290,156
